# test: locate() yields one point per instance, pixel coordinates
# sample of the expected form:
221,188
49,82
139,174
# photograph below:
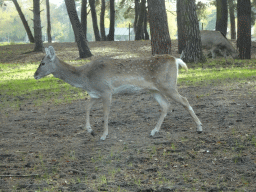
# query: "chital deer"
104,77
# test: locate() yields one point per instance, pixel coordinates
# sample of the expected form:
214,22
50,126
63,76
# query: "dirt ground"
47,149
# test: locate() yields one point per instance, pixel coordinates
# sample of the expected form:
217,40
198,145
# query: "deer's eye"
42,63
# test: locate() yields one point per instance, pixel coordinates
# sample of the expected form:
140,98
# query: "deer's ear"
50,52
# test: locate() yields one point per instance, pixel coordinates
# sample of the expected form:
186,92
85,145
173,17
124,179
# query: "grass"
207,76
18,84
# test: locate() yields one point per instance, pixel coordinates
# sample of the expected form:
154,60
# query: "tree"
136,9
146,35
181,30
37,26
24,21
84,17
193,50
139,25
94,20
102,18
244,28
232,18
48,21
160,38
83,48
222,16
111,33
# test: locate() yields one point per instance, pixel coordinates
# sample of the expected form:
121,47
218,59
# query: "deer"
216,41
104,77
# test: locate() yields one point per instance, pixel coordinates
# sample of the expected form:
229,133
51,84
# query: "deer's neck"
67,73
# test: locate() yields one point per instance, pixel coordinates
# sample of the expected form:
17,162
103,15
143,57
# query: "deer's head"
47,65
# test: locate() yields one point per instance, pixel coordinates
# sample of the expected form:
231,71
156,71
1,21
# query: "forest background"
12,29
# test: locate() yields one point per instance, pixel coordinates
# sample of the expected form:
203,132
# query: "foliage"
9,17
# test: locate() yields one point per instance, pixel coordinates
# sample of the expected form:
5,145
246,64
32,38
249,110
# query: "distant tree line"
154,12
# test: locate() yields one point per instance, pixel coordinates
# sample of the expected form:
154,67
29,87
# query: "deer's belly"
132,85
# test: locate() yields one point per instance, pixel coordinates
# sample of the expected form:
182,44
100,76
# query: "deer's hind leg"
173,93
165,105
106,109
89,105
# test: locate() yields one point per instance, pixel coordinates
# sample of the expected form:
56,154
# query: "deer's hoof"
103,138
199,129
153,132
92,133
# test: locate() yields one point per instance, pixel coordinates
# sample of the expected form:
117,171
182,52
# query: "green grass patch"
18,85
207,76
11,43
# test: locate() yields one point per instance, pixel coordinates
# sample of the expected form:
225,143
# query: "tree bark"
37,26
146,35
193,50
244,28
180,24
83,48
111,34
48,21
232,18
222,16
84,17
24,21
139,28
136,15
94,20
102,18
160,37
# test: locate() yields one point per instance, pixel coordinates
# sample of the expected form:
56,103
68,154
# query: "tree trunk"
232,19
102,23
146,36
37,26
25,23
136,15
244,28
94,20
222,16
139,28
180,24
84,17
193,50
111,34
83,48
160,37
48,22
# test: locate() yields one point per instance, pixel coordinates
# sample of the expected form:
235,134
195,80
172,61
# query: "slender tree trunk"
136,15
94,20
37,26
222,16
180,24
83,48
139,28
24,21
48,22
145,25
111,34
193,50
102,18
160,37
84,17
232,19
244,28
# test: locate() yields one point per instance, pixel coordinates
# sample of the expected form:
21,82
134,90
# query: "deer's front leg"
89,105
106,109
